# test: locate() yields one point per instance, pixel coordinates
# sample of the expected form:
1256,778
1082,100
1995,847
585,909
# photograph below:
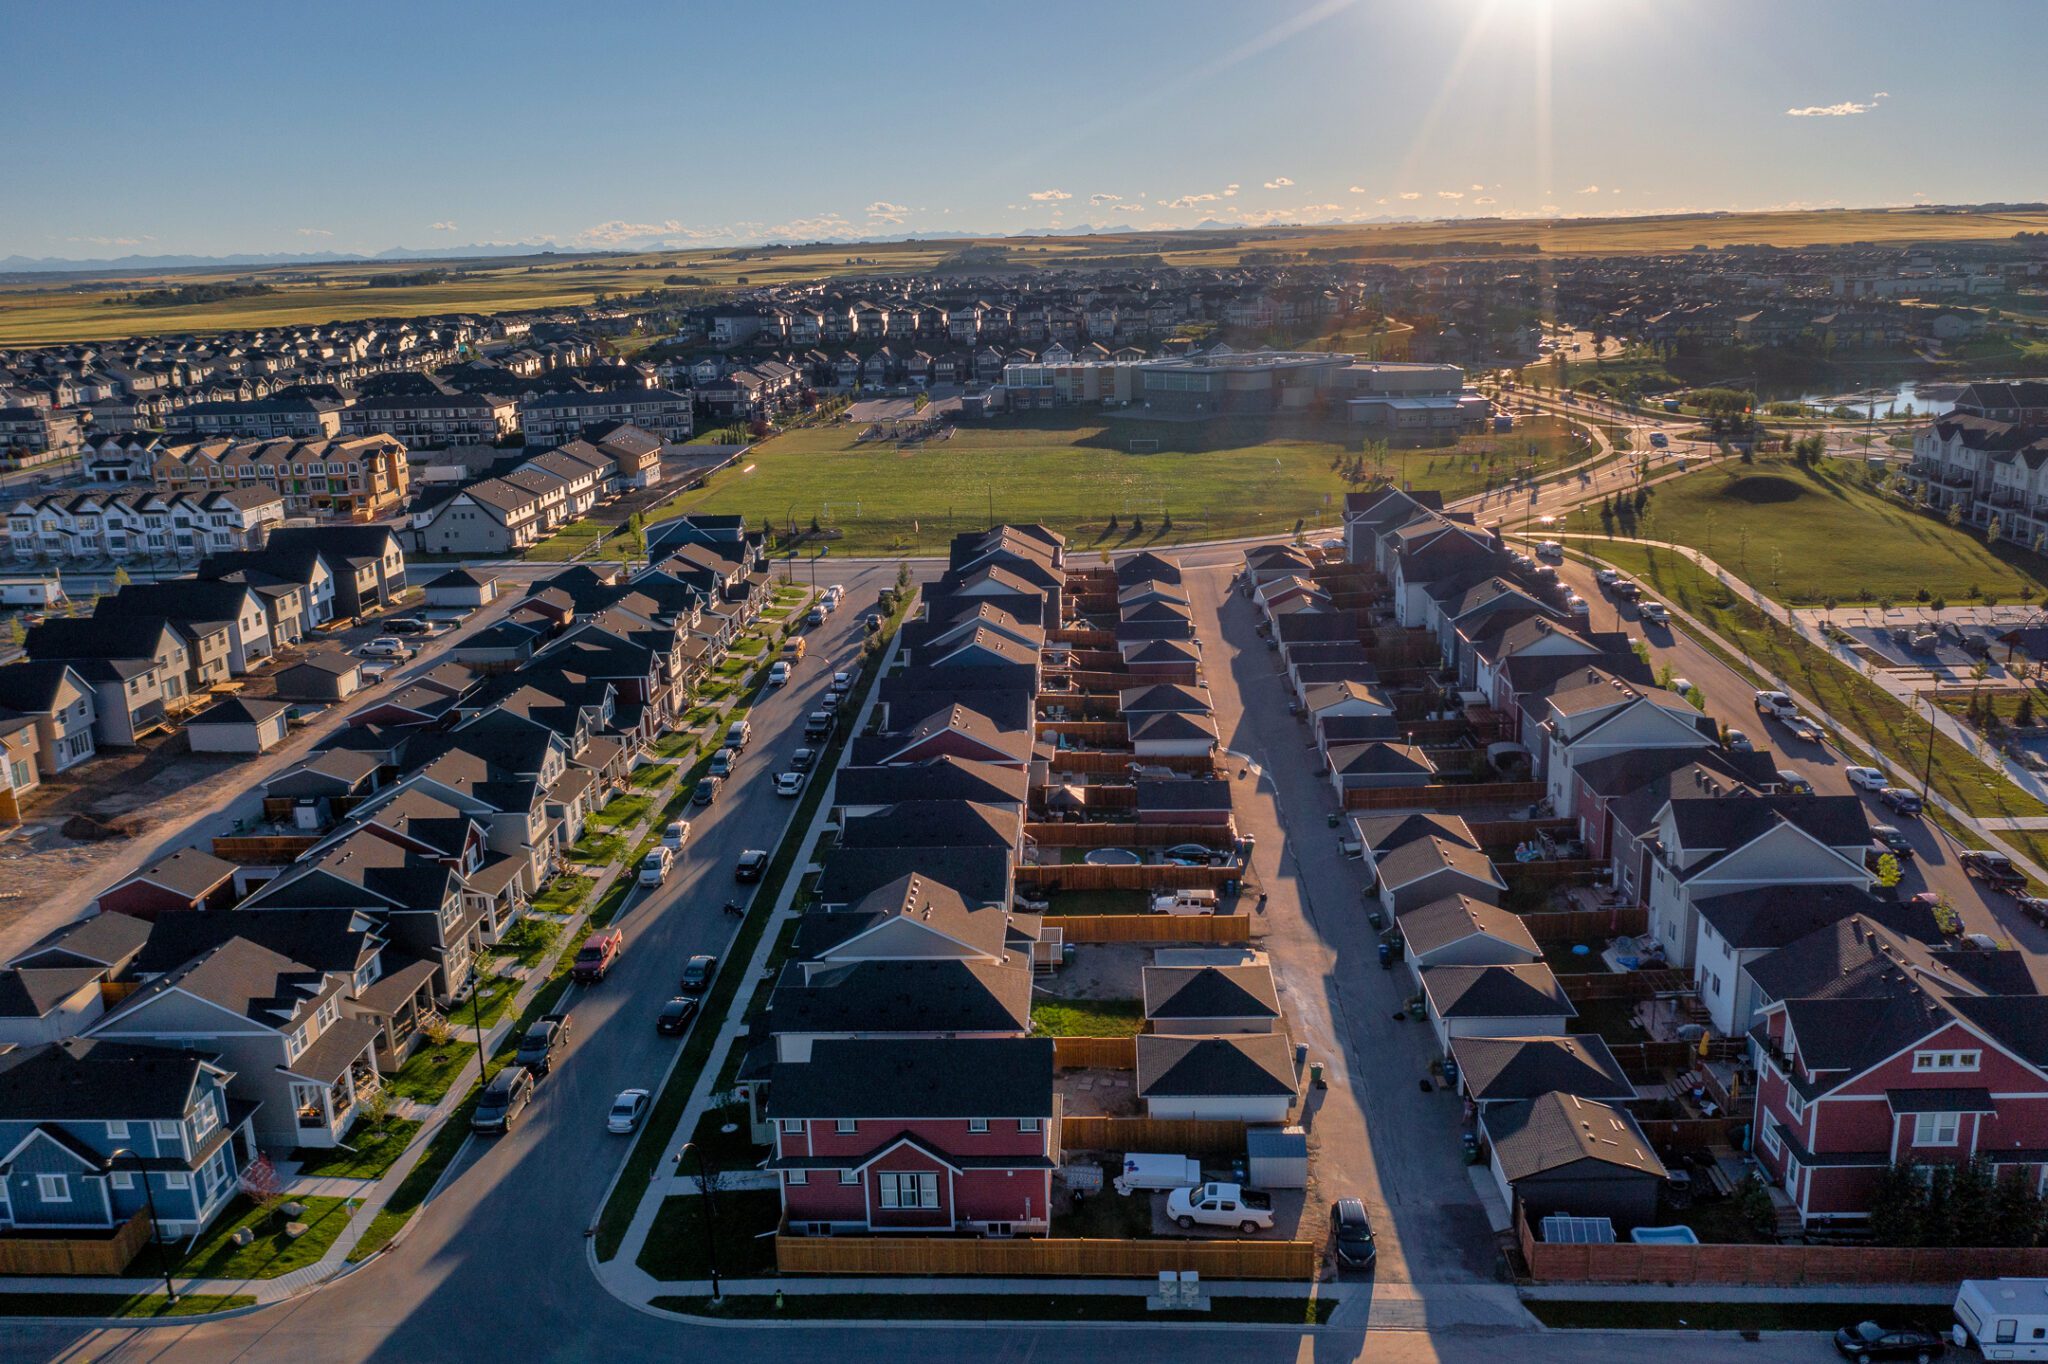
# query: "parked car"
830,700
1551,550
778,673
722,762
384,646
789,783
842,680
706,790
595,958
752,864
1794,784
655,867
503,1100
1738,742
738,734
801,760
1864,778
1626,590
1774,702
627,1111
1606,577
697,974
1220,1205
1352,1244
674,1018
1901,800
1868,1340
405,625
1995,869
1894,840
1578,605
816,617
1654,612
537,1049
676,835
817,724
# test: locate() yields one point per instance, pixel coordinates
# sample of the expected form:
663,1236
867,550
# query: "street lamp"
710,1214
163,1256
476,1018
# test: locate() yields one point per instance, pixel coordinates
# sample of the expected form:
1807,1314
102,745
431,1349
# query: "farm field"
1820,532
1231,479
62,307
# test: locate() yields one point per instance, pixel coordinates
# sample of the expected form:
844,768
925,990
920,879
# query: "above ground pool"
1111,857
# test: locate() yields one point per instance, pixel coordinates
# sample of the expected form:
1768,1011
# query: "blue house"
82,1123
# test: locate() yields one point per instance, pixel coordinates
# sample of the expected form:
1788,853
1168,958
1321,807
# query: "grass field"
1833,537
1087,1017
79,307
1227,479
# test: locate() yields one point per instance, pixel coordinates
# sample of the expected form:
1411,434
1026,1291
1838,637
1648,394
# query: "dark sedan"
674,1018
1867,1340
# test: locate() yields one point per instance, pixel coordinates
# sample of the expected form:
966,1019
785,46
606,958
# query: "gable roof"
1429,927
1522,990
1192,992
917,1078
84,1080
1493,1069
1555,1132
1238,1065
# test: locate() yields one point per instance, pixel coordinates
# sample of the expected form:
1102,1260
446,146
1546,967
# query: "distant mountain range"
59,264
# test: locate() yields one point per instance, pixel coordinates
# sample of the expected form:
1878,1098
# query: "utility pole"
476,1018
1927,763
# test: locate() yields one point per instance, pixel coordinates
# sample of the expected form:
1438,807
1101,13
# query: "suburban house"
1517,1000
1495,1070
1204,1000
1246,1077
186,880
1559,1153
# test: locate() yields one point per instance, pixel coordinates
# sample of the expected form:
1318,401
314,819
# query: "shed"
1276,1157
324,676
463,588
238,725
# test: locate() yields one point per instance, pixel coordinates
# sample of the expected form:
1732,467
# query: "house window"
910,1189
167,1129
845,1125
1936,1061
177,1179
798,1176
977,1124
53,1188
1027,1124
1795,1102
1935,1129
117,1131
849,1176
792,1127
1769,1133
122,1179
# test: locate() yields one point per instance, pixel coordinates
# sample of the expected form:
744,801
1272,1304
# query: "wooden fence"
1624,984
1102,795
1560,924
107,1254
1103,834
1191,928
1776,1266
1089,702
267,851
1083,637
1551,872
1050,876
1690,1134
1095,1053
1063,1258
1109,732
1104,762
1463,795
1183,1136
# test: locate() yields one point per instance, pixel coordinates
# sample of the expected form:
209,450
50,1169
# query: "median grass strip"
111,1305
1640,1314
1291,1311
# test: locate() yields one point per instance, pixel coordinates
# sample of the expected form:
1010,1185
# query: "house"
946,1135
1598,714
865,790
1378,767
43,1004
1711,846
463,589
1185,802
1741,928
1872,1050
108,943
1460,930
368,563
186,880
1173,734
133,665
1246,1077
1563,1155
324,676
60,702
1494,1070
1430,867
1521,1000
1203,1000
83,1122
238,725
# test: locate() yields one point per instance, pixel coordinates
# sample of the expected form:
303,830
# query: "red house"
186,880
1874,1049
946,1135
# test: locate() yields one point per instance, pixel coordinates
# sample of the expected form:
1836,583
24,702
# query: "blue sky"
216,128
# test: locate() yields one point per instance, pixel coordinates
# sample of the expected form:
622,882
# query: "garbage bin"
1315,1074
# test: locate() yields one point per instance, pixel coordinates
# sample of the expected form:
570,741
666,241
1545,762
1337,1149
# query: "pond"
1908,399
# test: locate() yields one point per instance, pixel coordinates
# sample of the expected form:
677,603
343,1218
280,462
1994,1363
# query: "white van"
1185,902
1549,549
1147,1173
2002,1318
737,733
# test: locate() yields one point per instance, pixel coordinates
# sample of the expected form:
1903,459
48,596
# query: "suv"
537,1048
599,951
737,733
1351,1240
655,867
1901,800
801,760
753,862
721,762
499,1106
818,724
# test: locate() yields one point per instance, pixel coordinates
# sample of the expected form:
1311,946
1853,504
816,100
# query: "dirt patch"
1100,971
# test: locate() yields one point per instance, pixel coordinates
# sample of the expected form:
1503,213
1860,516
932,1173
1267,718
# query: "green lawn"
622,811
528,941
1872,714
1832,536
653,775
734,1150
1073,471
570,541
1087,1017
115,1305
377,1148
428,1072
272,1253
675,1243
995,1307
563,894
597,849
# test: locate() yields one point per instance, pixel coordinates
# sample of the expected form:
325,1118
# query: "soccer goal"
1144,447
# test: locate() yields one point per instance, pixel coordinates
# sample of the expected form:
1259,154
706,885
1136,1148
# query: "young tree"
2023,714
121,578
1888,873
261,1184
1955,514
1895,1206
2015,1218
1970,1197
1994,529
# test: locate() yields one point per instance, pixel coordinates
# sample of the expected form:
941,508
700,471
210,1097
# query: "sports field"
1804,535
1216,480
37,307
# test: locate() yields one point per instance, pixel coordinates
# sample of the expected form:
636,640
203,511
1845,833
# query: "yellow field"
71,310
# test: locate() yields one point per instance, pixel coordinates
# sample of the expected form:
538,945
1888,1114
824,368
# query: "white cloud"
1230,191
314,232
1450,194
1278,182
443,226
1845,109
1379,201
1189,200
1590,189
1477,188
1411,194
1358,189
111,241
1105,198
1128,208
1486,199
882,211
617,230
1049,195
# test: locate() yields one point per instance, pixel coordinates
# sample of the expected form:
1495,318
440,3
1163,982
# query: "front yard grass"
653,775
428,1072
564,894
620,812
597,849
377,1148
675,1243
1087,1017
528,941
272,1252
727,1151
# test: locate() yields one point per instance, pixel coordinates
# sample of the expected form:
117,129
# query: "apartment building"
129,528
285,417
432,420
551,419
361,479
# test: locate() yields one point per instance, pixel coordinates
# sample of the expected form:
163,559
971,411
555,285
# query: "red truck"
596,956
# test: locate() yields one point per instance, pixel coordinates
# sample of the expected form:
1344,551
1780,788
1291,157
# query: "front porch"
333,1078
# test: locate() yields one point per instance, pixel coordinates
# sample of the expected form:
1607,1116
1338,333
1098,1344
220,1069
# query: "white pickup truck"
1220,1205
